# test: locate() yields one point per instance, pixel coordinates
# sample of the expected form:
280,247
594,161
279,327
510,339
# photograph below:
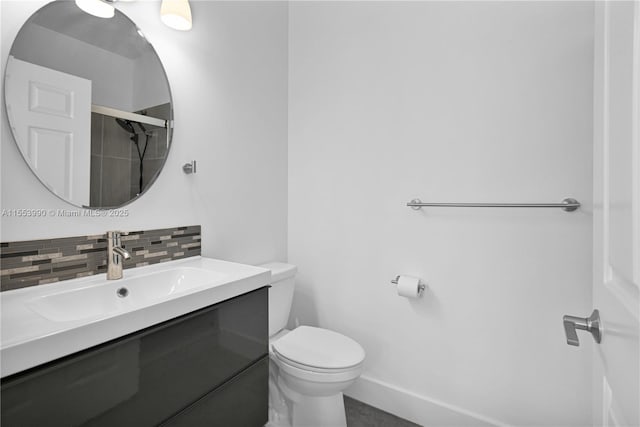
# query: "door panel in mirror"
51,126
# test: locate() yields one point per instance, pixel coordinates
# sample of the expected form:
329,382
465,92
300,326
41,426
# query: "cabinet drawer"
146,377
240,402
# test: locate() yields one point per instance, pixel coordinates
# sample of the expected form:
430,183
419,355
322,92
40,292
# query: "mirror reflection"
89,105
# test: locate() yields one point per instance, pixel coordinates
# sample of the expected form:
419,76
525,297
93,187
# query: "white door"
50,115
616,286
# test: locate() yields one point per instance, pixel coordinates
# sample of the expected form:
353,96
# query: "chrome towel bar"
568,205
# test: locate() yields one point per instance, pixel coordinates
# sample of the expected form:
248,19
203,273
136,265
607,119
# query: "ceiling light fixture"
98,8
173,13
176,14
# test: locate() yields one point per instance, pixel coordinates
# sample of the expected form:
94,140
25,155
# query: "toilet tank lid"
280,270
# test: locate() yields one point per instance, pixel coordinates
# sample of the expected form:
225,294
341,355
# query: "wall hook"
190,167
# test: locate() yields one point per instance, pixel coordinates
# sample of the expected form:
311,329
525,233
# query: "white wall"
149,89
111,74
118,82
229,84
446,101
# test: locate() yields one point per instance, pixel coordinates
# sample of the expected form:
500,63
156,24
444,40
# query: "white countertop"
29,339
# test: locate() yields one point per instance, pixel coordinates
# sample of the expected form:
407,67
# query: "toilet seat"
318,350
309,368
316,377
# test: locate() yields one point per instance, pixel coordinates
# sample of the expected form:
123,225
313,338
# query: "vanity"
187,346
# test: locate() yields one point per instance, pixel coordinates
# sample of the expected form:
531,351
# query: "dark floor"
362,415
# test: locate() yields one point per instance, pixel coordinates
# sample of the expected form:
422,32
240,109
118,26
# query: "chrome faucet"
116,255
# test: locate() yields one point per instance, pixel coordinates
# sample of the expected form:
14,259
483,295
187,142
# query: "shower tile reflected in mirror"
116,156
114,190
95,185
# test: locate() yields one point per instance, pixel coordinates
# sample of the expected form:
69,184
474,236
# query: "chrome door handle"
589,324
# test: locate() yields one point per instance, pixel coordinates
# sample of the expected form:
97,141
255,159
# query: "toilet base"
288,408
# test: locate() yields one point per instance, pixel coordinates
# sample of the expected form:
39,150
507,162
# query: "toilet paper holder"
421,286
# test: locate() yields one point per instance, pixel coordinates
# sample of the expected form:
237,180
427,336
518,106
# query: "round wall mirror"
89,105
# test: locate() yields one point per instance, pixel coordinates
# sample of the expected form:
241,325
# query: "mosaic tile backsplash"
38,262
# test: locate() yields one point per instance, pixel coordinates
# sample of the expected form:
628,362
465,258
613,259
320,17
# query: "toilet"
310,367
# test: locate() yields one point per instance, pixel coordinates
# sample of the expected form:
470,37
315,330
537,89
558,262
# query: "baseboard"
416,408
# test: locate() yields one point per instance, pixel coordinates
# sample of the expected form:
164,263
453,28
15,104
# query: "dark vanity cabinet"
206,368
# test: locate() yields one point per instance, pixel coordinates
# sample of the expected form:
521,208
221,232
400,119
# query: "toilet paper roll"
409,287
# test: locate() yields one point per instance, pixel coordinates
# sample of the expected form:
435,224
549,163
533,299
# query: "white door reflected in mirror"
52,126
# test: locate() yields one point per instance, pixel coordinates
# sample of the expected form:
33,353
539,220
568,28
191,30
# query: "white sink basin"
101,299
46,322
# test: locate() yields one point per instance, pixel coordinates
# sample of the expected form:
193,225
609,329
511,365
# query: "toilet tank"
280,294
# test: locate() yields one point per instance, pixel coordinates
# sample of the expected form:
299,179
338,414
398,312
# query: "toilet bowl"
310,367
